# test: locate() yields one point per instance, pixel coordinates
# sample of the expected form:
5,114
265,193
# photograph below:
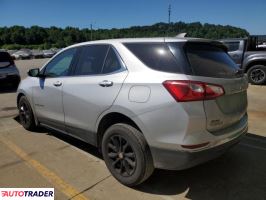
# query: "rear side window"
156,56
91,59
232,46
112,62
210,60
5,59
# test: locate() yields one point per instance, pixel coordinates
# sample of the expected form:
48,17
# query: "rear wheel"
257,74
126,154
25,114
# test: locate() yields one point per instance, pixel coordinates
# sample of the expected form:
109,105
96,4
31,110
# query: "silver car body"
79,104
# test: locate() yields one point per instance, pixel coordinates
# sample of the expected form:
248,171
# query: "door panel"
48,102
90,92
47,92
84,99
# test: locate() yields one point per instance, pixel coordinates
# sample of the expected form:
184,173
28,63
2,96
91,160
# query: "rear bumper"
178,160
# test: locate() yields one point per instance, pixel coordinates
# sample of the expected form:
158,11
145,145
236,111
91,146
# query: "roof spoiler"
182,35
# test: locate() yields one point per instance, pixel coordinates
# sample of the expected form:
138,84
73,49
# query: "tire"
132,164
26,116
257,74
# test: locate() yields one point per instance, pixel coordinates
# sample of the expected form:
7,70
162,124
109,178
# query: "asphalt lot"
77,171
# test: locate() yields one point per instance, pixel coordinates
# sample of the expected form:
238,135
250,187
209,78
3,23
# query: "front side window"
91,60
112,62
60,65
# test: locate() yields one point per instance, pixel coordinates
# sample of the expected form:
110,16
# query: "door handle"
57,83
106,83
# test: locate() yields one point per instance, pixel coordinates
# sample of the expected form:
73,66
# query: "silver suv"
169,103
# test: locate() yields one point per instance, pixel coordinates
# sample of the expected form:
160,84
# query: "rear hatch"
211,64
209,69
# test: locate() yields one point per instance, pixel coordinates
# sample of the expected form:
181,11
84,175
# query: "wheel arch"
111,118
255,62
20,94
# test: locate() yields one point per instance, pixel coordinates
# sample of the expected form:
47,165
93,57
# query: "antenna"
91,31
169,14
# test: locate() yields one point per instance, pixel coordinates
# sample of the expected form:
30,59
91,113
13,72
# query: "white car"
22,54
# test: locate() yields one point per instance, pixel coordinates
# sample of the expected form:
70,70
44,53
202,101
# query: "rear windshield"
192,58
210,60
156,56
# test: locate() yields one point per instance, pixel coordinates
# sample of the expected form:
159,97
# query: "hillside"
16,37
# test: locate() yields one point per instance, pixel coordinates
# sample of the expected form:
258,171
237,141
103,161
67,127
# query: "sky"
247,14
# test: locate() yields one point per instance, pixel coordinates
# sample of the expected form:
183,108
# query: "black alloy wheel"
127,154
122,155
257,74
25,114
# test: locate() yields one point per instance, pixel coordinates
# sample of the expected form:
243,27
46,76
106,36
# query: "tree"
57,37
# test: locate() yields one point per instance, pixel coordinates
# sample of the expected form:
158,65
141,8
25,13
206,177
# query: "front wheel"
257,74
126,154
25,114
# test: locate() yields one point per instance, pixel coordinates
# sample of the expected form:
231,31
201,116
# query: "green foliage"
17,37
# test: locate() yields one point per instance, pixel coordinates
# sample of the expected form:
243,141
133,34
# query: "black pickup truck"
249,55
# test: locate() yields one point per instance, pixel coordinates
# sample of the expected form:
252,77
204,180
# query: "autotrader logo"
26,193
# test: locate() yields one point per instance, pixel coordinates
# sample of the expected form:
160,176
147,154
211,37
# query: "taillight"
193,90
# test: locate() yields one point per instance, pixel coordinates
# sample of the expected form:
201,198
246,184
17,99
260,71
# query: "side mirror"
34,72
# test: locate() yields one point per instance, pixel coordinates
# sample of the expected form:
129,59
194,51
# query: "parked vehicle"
37,54
169,103
48,53
249,56
9,73
262,46
11,53
22,54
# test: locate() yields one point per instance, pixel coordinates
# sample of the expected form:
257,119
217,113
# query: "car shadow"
238,174
68,139
75,142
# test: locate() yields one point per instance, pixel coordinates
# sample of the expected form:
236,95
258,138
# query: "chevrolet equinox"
169,103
